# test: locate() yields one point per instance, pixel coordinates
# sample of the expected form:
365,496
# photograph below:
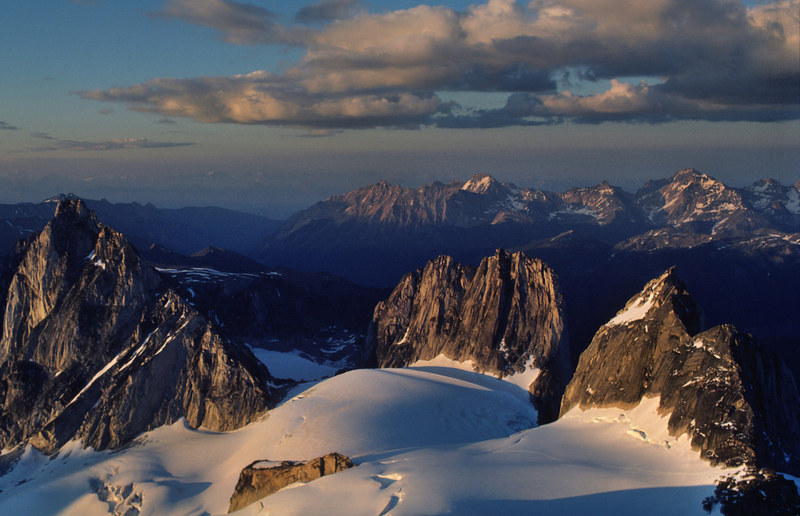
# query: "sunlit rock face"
736,400
505,316
95,347
262,478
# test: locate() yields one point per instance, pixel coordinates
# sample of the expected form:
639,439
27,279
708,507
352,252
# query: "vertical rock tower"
95,347
505,316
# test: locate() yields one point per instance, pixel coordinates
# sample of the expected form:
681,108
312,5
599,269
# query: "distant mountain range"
375,234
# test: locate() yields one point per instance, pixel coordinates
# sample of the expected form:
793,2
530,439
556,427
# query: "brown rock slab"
262,478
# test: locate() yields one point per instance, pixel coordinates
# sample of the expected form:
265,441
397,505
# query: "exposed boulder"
734,398
505,316
262,478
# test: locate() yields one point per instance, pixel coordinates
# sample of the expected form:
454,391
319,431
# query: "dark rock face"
735,399
505,316
262,478
95,346
759,493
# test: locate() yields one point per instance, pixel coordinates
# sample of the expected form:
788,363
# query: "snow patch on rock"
635,311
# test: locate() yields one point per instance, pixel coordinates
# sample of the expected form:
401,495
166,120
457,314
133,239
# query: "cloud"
326,11
239,23
82,145
7,126
264,98
640,103
714,59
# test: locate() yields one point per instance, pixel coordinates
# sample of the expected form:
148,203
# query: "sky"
270,106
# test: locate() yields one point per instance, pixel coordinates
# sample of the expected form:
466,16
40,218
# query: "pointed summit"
697,202
71,206
686,175
735,399
72,214
665,294
60,197
481,184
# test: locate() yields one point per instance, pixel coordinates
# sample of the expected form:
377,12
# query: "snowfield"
426,440
294,366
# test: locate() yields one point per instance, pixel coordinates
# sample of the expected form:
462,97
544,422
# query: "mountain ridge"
95,347
448,218
505,316
735,399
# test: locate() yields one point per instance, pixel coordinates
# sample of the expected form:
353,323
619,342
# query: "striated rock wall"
95,347
262,478
736,400
506,316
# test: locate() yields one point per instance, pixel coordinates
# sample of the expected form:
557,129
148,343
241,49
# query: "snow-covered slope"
426,440
594,462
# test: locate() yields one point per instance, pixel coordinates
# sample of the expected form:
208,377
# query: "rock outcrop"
95,347
505,316
736,400
262,478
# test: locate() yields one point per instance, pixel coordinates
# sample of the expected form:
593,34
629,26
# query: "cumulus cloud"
715,60
83,145
326,11
7,126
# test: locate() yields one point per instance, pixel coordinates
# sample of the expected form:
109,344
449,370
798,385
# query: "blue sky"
269,106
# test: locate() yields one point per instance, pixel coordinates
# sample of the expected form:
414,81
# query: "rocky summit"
95,347
735,399
505,316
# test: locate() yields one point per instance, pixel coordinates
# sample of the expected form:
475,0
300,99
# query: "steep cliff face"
95,347
736,400
505,316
